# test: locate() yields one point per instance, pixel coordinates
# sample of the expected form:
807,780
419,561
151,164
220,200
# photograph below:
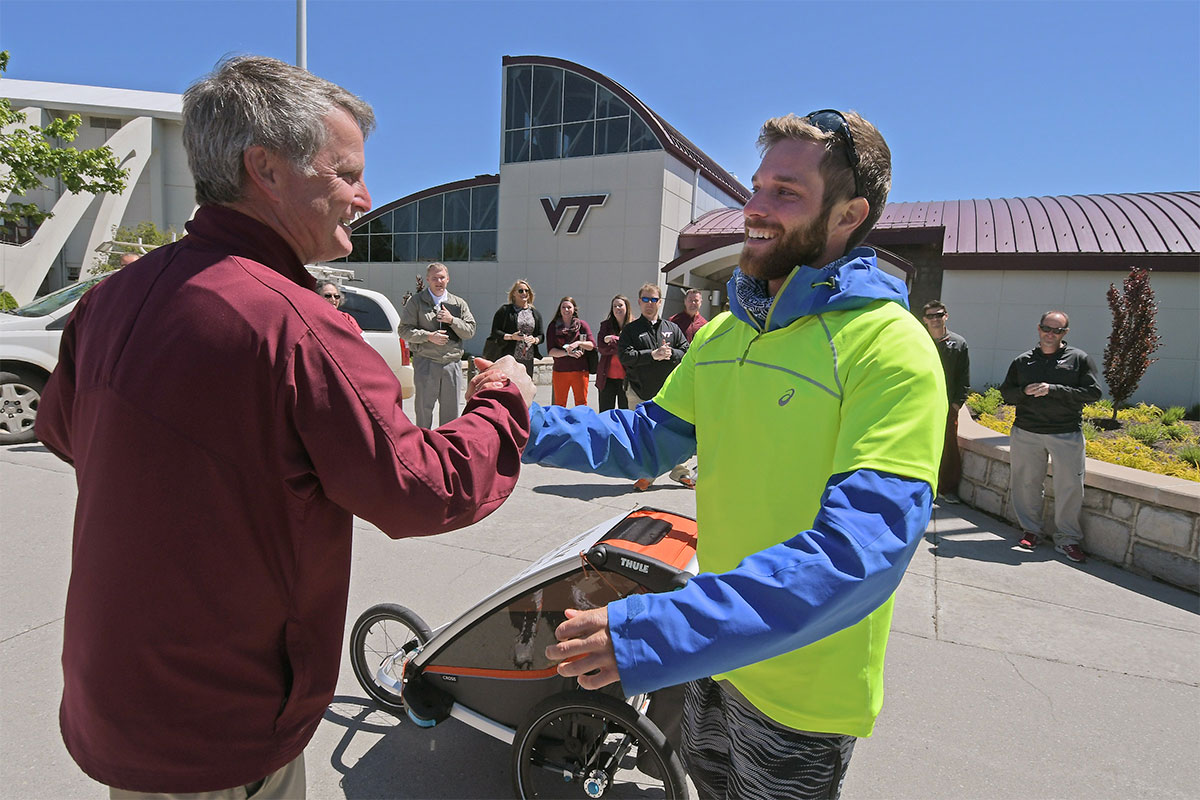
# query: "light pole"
302,34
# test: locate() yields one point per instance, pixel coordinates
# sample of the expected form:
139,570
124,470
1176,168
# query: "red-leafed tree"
1134,335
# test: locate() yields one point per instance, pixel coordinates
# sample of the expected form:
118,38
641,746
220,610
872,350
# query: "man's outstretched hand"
584,648
496,375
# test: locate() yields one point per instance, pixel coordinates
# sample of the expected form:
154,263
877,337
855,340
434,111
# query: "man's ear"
264,169
849,214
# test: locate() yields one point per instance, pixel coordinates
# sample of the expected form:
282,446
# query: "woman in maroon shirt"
568,339
610,376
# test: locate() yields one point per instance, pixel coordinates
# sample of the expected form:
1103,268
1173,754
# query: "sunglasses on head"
651,299
1049,329
832,121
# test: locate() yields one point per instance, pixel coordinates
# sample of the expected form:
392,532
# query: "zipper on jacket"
760,332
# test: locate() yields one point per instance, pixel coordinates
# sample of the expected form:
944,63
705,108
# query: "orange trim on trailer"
506,674
677,548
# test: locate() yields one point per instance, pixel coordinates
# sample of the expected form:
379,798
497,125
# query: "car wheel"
20,395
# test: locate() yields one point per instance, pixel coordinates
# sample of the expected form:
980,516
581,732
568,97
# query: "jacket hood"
850,282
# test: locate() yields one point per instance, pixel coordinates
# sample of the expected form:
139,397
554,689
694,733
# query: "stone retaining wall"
1144,522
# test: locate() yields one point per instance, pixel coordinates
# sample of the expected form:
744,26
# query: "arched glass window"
458,225
555,113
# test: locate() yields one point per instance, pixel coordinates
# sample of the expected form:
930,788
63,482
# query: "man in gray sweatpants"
1050,385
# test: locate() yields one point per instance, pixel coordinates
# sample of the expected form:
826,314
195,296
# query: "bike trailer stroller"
488,667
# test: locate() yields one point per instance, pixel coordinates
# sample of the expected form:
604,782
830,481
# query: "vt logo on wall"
582,205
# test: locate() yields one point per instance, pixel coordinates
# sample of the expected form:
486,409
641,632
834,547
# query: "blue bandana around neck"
753,295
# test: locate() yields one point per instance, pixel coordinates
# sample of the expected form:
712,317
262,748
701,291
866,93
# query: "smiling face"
935,320
787,223
520,295
619,311
317,206
566,310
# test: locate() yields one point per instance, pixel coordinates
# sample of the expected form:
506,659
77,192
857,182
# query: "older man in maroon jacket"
225,424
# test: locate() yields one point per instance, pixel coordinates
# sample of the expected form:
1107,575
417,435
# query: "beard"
798,247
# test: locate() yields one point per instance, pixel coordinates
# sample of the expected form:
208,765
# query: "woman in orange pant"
571,344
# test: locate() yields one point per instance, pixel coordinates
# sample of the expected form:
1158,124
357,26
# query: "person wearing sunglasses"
649,349
956,366
333,293
817,406
516,328
1049,385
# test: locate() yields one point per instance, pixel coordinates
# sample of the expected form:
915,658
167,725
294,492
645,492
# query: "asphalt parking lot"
1010,675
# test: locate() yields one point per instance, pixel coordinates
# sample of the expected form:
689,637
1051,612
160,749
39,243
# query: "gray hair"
255,100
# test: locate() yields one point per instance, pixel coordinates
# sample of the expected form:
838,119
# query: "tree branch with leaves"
1134,335
33,154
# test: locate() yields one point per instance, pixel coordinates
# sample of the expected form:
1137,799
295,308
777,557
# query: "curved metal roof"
668,136
1077,231
478,180
1155,222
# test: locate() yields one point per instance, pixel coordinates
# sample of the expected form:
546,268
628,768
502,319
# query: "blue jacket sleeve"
779,599
642,443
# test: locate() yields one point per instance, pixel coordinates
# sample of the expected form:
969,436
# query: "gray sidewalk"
1010,675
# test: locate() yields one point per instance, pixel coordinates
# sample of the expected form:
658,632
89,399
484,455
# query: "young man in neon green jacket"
816,405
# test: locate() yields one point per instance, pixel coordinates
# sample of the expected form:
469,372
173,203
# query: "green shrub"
1100,408
1178,431
1142,412
1173,414
985,403
1090,431
7,301
1189,453
1148,433
1126,452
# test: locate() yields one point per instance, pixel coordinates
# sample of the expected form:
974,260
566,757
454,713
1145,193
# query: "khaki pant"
1028,453
436,383
285,783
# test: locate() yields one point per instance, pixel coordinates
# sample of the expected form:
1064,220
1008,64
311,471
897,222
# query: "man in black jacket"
651,347
1050,385
956,364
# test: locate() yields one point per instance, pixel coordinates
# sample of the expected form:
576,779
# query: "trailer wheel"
382,639
586,744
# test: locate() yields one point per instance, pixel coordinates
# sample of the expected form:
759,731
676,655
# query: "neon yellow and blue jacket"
819,437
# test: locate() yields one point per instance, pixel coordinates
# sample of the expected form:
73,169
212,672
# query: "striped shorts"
731,751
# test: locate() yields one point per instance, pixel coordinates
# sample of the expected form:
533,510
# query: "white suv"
30,336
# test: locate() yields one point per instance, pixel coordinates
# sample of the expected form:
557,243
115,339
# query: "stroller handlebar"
655,575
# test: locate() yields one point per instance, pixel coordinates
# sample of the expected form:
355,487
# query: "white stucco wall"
620,246
998,311
161,189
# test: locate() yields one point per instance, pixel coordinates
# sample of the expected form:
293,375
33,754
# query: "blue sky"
976,99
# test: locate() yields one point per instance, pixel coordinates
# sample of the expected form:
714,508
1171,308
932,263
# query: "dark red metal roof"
671,139
1155,222
1069,231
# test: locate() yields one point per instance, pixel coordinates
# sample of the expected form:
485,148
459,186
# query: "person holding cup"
650,348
